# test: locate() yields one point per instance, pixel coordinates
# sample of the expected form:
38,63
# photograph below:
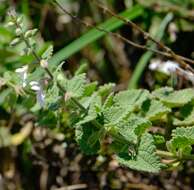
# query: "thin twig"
146,35
167,51
38,58
168,54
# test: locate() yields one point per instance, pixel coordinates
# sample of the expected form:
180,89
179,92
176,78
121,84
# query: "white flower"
169,67
22,72
40,97
166,67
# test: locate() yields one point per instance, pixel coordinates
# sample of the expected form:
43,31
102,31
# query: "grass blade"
141,65
93,35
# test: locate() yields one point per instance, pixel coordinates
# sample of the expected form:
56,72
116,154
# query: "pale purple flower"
40,97
166,67
22,72
169,67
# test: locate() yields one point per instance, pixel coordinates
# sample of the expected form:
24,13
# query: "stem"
167,52
171,155
165,154
146,35
46,69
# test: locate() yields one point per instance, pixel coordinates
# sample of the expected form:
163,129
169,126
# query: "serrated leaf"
109,101
146,159
75,86
82,135
116,114
174,98
90,88
187,116
159,139
93,105
154,110
131,97
118,147
82,69
133,129
182,139
105,89
11,77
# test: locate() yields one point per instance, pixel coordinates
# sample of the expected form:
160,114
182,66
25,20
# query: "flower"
22,72
169,67
166,67
40,97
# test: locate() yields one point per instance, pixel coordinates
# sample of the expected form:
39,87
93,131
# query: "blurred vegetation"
39,155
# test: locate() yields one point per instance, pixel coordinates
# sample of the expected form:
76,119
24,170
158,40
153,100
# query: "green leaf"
105,89
134,98
133,129
11,77
174,98
154,110
93,105
108,102
118,147
83,135
146,159
182,139
90,88
4,94
75,86
187,115
159,139
116,114
82,69
52,97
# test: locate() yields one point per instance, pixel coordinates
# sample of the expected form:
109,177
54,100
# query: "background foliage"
38,148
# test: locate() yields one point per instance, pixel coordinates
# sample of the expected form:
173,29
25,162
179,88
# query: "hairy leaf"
75,86
90,88
116,114
174,98
131,97
182,139
133,129
154,109
93,105
83,135
106,89
109,101
146,159
187,116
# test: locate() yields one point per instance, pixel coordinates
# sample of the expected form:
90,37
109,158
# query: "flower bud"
10,23
44,63
15,41
31,33
18,31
